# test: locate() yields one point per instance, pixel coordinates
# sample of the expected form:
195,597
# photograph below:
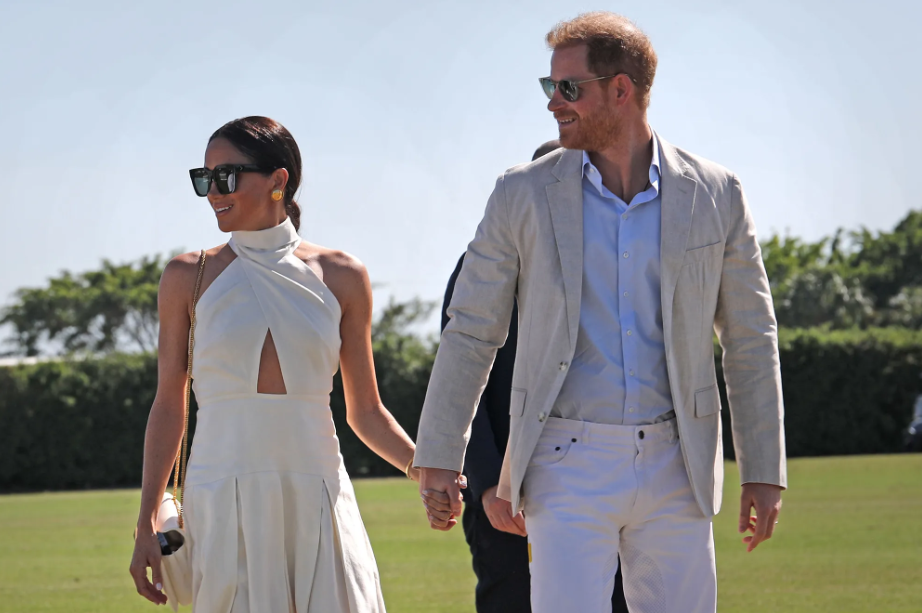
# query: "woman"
270,516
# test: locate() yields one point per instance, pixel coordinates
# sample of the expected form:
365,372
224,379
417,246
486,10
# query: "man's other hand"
766,500
499,512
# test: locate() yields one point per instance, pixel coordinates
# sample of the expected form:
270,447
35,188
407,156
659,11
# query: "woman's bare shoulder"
342,272
181,272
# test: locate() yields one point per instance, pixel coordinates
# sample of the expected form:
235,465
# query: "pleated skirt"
276,540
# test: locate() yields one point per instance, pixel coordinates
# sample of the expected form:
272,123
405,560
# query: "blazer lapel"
677,207
565,199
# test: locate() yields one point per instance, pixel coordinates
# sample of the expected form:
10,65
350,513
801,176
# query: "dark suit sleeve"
483,461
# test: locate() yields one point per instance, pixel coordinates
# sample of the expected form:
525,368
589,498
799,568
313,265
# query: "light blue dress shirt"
618,373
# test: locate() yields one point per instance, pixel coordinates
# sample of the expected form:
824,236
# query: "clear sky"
406,112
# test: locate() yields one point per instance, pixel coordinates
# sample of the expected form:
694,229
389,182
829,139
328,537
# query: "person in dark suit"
497,541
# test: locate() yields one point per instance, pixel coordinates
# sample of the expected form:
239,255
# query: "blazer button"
542,417
563,365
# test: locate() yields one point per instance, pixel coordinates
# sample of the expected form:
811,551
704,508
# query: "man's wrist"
433,469
431,474
780,488
490,492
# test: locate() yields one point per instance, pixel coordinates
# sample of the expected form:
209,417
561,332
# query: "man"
624,253
499,549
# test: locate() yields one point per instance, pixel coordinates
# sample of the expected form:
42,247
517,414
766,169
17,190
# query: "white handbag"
176,569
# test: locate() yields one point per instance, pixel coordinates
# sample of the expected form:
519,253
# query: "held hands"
766,500
499,512
440,490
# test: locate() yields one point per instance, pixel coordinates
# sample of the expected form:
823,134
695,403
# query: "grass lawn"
848,542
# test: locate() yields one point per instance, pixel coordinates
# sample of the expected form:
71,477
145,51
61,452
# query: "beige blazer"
530,245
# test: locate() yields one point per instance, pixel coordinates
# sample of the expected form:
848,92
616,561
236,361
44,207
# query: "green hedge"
80,424
73,425
845,392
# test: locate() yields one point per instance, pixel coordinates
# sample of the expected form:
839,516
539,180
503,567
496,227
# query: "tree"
812,284
890,262
854,280
821,296
786,258
97,311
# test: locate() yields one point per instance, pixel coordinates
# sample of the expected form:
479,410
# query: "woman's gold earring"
277,194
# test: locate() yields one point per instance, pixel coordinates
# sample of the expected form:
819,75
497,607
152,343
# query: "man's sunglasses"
569,88
224,177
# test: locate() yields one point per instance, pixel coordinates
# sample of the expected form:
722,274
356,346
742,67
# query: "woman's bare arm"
365,413
167,415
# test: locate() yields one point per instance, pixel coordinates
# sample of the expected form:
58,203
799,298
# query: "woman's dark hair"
268,143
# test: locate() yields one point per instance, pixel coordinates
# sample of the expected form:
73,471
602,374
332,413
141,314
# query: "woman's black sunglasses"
224,177
569,88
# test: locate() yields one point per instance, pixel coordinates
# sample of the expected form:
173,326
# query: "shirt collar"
596,178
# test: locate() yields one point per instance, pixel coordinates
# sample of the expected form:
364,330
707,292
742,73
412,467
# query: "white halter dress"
271,516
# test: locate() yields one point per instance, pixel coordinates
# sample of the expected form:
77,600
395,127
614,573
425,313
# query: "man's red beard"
595,132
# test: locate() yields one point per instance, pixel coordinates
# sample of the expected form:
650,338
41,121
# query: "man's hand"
766,500
440,490
499,512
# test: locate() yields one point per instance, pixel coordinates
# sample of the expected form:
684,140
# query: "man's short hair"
546,148
615,45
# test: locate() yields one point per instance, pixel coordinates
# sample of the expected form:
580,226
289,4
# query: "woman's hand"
147,555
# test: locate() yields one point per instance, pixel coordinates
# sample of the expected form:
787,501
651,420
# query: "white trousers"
593,491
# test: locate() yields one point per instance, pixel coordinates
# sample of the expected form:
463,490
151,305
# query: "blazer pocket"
707,401
517,402
699,254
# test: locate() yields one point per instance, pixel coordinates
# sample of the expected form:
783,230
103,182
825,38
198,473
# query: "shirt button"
625,294
631,373
629,333
563,366
631,410
624,216
626,254
542,417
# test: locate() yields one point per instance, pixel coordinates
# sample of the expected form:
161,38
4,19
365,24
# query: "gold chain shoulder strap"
179,467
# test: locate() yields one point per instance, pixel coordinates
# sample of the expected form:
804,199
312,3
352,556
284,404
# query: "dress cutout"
269,367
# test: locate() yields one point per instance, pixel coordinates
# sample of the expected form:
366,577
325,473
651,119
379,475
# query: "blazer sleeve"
484,461
748,333
480,312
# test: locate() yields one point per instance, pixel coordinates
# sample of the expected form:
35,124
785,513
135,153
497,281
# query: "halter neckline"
274,243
